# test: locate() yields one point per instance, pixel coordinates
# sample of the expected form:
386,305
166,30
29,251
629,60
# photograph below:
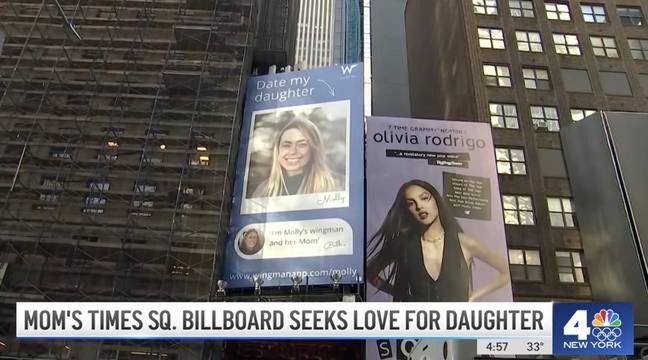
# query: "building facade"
315,34
117,121
530,67
347,39
389,74
329,32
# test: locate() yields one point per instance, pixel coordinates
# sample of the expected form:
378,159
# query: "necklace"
434,239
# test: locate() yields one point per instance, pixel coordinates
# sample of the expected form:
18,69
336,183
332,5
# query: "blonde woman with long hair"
299,164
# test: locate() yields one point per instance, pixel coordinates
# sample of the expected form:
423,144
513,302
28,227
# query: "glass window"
99,185
615,83
525,265
485,7
630,15
503,116
95,200
490,38
143,203
545,118
580,114
571,267
52,182
141,213
510,161
604,46
61,153
521,8
638,48
561,212
518,210
144,188
557,11
200,160
536,79
94,204
48,197
107,155
529,41
552,163
593,13
643,80
576,80
497,75
567,44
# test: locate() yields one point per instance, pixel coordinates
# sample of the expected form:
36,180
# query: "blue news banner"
593,329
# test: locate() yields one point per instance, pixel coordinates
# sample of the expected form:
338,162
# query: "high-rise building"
277,35
347,39
530,67
117,121
329,32
315,34
389,75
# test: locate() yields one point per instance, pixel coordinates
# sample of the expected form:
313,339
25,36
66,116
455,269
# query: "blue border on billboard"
311,234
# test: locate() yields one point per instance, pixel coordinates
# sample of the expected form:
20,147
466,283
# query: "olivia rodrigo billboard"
435,229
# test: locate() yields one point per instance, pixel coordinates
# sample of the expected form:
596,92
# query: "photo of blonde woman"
298,158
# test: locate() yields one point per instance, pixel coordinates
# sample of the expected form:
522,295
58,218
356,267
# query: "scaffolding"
117,122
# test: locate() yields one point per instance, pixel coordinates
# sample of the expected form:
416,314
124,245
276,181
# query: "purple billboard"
435,231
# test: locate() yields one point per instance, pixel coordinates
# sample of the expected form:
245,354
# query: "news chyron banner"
298,194
435,230
501,328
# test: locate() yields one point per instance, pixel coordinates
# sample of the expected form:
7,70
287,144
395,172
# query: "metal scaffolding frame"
117,122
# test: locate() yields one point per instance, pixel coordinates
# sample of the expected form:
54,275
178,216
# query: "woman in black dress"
423,252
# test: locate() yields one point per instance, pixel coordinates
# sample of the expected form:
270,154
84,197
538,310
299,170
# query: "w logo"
347,69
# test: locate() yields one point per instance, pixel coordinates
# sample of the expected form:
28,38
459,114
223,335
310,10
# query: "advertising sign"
298,193
435,230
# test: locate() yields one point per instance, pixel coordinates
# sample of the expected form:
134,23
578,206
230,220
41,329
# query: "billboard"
435,231
298,199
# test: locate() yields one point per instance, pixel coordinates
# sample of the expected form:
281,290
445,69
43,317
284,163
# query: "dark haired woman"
251,242
423,252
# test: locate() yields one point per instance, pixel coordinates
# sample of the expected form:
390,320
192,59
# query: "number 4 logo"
577,325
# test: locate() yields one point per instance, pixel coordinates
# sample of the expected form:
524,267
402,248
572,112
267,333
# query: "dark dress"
293,185
413,283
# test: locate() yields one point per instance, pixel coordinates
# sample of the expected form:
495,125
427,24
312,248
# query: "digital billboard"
435,231
298,193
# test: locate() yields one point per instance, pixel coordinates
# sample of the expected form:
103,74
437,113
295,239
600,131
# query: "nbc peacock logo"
606,318
606,324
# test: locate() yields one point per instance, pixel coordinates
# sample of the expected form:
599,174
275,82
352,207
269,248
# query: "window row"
544,118
102,185
95,203
511,161
505,116
111,153
526,265
573,80
560,11
564,44
518,210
